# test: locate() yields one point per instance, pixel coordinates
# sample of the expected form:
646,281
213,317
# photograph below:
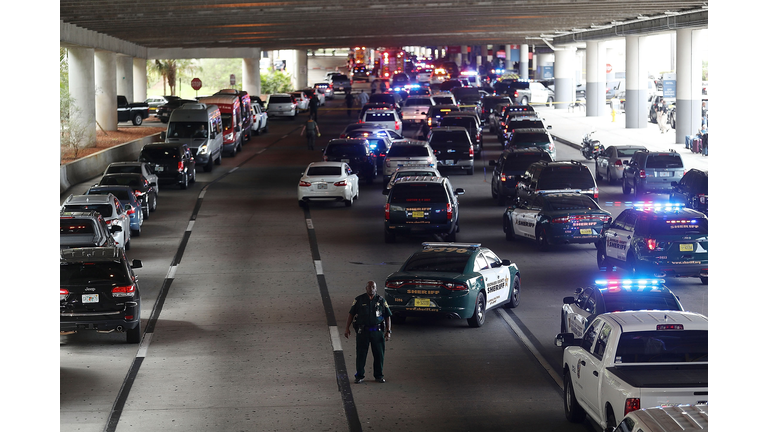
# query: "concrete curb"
94,165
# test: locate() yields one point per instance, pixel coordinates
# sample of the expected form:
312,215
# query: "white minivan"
199,126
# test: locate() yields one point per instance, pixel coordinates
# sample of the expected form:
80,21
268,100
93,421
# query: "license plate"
687,247
421,302
322,185
418,214
448,162
665,174
586,231
159,168
90,298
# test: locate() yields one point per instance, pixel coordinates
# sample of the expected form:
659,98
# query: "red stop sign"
196,83
608,68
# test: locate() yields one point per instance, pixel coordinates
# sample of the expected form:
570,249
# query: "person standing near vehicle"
373,325
311,130
350,101
313,103
383,86
661,116
373,86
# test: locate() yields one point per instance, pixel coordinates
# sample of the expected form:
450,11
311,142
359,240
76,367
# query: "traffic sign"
196,84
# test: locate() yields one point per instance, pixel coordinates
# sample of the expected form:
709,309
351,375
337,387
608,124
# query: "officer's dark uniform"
370,330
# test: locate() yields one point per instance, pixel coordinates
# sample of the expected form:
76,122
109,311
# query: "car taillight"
651,243
429,121
63,293
642,173
397,125
180,166
453,286
340,183
304,184
138,193
560,220
471,150
386,211
124,291
449,211
325,158
618,163
631,404
131,211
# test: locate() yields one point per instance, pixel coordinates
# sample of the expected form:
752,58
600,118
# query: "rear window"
523,124
124,169
279,99
664,161
382,97
418,102
566,177
668,346
415,193
625,153
437,262
408,151
159,154
532,138
324,171
94,273
120,194
624,301
121,181
445,137
105,210
443,100
459,121
572,202
76,226
373,117
345,149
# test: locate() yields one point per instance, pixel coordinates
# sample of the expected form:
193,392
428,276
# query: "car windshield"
102,272
76,226
408,151
187,129
437,262
324,171
572,202
640,300
664,161
626,153
566,177
160,154
105,210
415,193
668,346
345,149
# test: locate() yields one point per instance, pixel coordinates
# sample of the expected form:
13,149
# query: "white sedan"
328,181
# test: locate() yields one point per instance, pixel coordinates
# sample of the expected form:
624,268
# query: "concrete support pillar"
564,71
124,79
636,101
688,103
595,78
524,61
464,56
252,73
140,79
301,72
105,70
534,64
508,57
82,90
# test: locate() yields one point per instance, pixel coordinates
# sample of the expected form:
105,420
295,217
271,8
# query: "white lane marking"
145,341
527,342
171,272
190,225
318,267
233,170
310,225
202,194
335,339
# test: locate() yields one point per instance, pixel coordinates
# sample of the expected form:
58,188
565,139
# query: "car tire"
574,413
209,166
598,176
136,232
514,294
185,183
524,101
478,318
638,192
471,170
563,326
704,280
510,231
610,420
541,239
625,189
127,242
137,120
611,179
632,264
194,176
550,101
145,211
133,336
349,202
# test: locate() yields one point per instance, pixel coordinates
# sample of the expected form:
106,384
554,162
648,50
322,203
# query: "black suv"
532,138
164,111
652,172
453,148
435,115
509,169
357,153
140,186
81,229
173,162
488,103
693,190
341,83
556,176
422,205
99,291
470,122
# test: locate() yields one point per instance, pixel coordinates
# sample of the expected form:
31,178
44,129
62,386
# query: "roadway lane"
243,342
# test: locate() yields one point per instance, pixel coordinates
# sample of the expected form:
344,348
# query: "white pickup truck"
632,360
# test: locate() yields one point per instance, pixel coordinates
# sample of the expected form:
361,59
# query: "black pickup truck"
133,112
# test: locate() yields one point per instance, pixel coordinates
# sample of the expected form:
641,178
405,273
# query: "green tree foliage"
73,133
275,82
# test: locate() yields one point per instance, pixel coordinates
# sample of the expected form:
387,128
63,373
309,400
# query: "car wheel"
398,319
611,180
136,232
574,413
389,237
209,166
632,264
185,183
494,194
601,257
550,101
471,170
610,421
510,231
514,295
638,192
127,242
137,120
598,176
478,318
133,336
625,187
524,101
541,239
266,128
194,176
563,326
349,202
704,280
145,211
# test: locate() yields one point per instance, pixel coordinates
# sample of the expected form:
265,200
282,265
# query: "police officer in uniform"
373,325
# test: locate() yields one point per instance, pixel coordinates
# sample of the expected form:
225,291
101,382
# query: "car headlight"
203,149
229,136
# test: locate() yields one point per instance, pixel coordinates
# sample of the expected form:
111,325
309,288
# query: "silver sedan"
609,164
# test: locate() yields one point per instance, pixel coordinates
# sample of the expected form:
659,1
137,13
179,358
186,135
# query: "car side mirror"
564,340
459,191
128,207
136,264
506,262
569,300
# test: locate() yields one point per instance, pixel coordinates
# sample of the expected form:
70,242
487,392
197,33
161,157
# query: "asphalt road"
245,296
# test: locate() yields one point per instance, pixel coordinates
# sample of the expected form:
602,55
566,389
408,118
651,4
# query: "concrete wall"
94,165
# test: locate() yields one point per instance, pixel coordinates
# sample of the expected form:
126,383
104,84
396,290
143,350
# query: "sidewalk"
570,127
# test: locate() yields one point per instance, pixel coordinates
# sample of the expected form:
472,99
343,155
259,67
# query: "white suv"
386,117
415,109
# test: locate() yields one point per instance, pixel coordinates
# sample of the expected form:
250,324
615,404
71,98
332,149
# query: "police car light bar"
428,245
628,282
646,205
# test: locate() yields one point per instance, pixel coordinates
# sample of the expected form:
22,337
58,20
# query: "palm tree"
170,69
